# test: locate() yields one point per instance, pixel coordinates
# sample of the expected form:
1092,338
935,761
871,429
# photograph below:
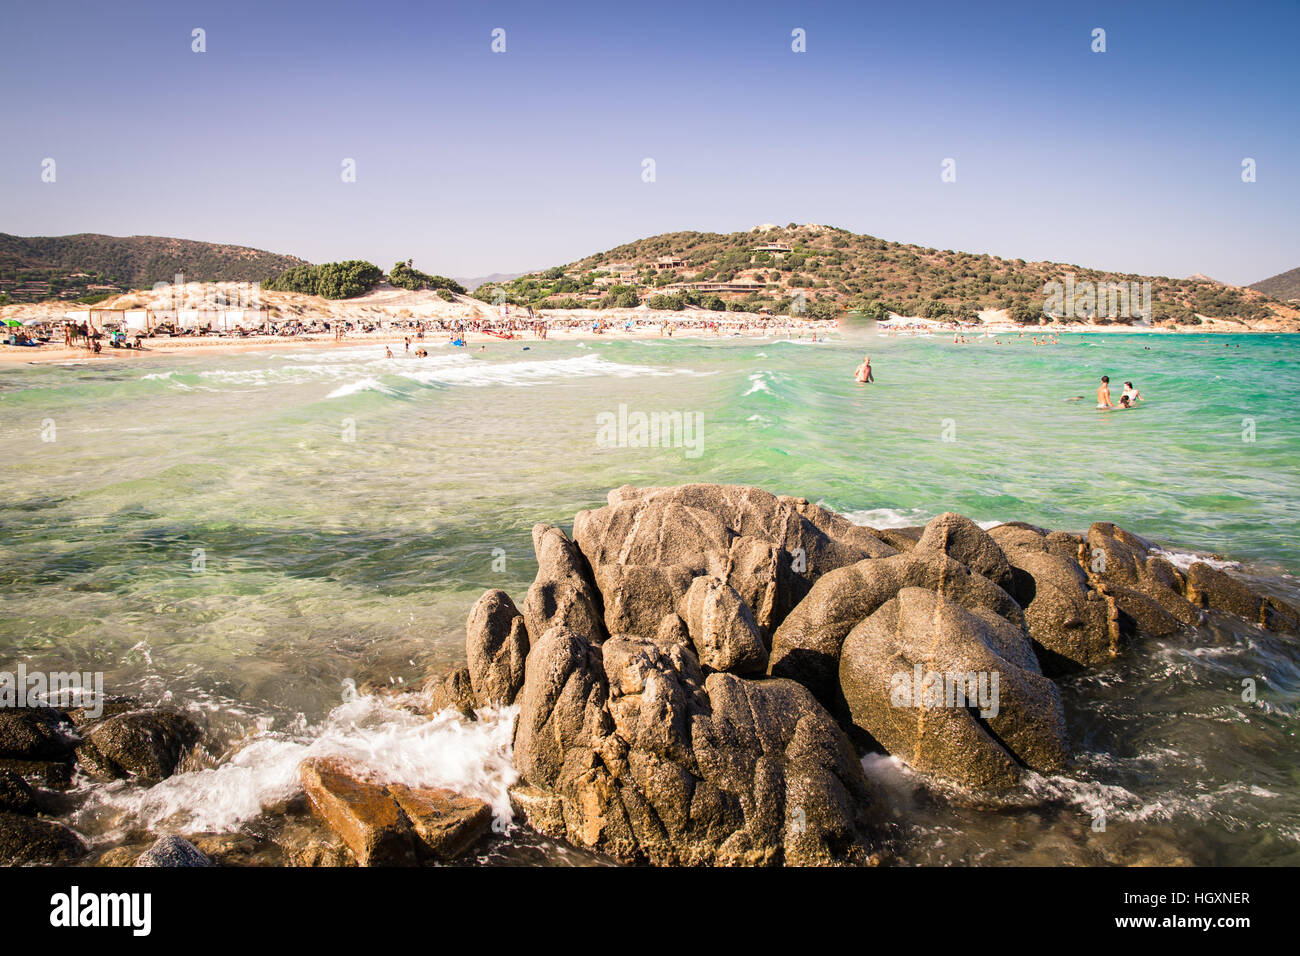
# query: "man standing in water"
863,375
1103,393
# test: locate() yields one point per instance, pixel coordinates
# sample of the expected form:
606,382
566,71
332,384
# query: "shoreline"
228,345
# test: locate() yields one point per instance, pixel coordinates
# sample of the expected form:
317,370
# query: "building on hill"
740,285
669,262
777,248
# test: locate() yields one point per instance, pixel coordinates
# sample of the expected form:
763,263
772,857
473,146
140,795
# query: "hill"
1285,285
833,270
89,265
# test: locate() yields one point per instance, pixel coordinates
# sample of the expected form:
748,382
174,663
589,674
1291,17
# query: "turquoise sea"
245,533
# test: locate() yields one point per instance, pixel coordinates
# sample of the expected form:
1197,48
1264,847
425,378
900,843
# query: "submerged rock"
1209,587
52,774
16,795
144,744
173,851
36,733
25,839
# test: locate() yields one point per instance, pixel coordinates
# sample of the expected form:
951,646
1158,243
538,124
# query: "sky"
472,161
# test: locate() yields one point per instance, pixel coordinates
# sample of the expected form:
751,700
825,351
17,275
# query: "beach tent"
137,319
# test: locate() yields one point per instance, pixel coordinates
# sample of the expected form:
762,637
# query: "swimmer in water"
1131,393
863,375
1103,393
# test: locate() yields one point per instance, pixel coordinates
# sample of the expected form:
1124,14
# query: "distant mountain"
826,270
1285,285
496,278
87,265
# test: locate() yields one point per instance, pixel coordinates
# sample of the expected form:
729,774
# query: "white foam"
758,383
1183,560
897,518
365,385
473,758
448,369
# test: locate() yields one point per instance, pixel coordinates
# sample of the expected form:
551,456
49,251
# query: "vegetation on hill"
826,270
331,280
405,276
90,267
1284,286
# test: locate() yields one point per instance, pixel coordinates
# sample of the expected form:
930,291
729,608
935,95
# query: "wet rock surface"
699,673
654,734
144,744
390,824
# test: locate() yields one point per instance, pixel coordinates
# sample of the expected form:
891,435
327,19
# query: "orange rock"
447,823
365,815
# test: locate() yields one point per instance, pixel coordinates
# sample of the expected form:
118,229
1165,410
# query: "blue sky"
471,161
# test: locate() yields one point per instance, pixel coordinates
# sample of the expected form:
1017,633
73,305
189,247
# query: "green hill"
1284,286
71,267
834,270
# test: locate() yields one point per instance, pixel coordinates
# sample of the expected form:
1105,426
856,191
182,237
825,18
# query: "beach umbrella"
12,323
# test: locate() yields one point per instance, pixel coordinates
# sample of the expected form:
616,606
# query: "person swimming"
863,375
1131,393
1103,393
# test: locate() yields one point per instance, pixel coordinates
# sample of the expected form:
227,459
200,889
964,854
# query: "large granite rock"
563,593
1072,624
966,542
722,628
952,693
496,643
629,749
806,647
769,549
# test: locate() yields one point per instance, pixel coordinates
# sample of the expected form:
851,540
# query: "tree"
332,280
404,276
